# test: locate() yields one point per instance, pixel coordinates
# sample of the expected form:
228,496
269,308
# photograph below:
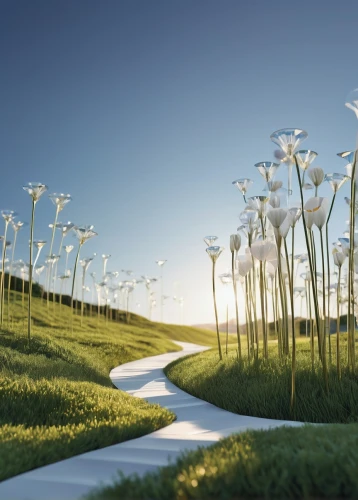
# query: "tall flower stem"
338,323
351,326
51,246
311,324
236,304
23,289
328,319
324,354
2,288
30,270
314,290
83,295
61,294
227,328
248,319
263,315
277,317
283,297
293,358
73,283
216,313
255,339
10,273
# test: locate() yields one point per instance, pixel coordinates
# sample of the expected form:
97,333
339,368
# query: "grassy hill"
56,397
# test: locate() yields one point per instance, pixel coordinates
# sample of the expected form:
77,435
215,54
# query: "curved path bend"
198,424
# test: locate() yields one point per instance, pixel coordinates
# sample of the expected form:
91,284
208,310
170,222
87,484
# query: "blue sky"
145,111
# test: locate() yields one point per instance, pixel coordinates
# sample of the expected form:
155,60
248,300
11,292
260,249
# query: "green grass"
262,389
56,397
303,463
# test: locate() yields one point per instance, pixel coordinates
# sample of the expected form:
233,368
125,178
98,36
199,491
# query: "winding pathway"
198,424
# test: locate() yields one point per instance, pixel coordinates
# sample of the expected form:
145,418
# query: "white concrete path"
198,424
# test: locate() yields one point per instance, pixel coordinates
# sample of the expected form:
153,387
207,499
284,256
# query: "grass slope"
56,398
262,389
302,463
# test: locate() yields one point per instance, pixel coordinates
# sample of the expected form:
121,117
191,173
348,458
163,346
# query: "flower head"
276,216
263,250
338,258
295,213
288,140
209,240
60,200
84,233
305,157
8,215
258,203
249,219
245,264
243,185
17,225
66,227
39,244
267,169
85,263
35,190
235,242
316,174
336,181
160,262
315,211
214,252
68,248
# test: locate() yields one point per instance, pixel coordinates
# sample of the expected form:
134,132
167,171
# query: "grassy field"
56,397
309,462
301,463
262,389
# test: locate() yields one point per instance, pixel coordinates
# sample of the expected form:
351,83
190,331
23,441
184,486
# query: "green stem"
236,304
10,274
324,358
328,320
30,271
73,283
2,288
351,326
50,254
338,323
216,313
315,300
263,316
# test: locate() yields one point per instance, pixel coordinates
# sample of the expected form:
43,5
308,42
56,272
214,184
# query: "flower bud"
235,242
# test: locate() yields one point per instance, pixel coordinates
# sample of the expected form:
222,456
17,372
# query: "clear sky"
146,110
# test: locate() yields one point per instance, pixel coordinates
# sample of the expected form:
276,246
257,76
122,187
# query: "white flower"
235,242
316,174
316,210
214,252
338,257
295,213
276,216
262,250
245,264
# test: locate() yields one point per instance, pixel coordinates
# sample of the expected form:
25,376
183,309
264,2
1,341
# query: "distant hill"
300,323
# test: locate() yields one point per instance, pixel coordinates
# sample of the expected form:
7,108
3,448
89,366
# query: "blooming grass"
56,397
285,463
262,388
